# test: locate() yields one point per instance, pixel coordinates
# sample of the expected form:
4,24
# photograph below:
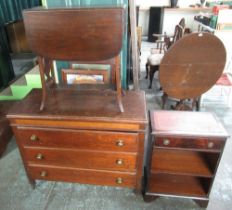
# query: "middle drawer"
81,158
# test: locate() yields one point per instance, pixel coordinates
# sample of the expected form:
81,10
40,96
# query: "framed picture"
104,65
83,76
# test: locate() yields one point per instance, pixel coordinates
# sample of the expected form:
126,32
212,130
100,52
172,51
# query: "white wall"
148,3
181,3
171,18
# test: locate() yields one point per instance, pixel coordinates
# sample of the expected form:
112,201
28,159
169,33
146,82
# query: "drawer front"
83,176
82,158
91,140
189,143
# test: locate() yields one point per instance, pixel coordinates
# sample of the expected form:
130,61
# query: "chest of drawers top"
82,110
186,124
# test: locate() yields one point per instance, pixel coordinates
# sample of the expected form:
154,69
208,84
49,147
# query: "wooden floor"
16,193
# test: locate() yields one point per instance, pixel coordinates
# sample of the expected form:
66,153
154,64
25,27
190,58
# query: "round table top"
192,65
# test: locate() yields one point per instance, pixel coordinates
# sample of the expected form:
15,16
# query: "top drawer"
190,143
81,139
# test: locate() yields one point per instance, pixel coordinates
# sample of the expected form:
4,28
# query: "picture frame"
108,66
83,76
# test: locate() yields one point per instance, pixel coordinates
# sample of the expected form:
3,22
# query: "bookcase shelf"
184,162
179,185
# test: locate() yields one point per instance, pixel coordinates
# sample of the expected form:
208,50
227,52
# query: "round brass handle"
210,145
34,138
119,180
39,156
166,142
43,174
119,161
120,143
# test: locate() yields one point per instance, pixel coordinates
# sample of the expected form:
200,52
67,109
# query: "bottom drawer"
84,176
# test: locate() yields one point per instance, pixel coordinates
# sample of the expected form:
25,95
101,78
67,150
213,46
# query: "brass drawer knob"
166,142
119,161
119,180
43,174
39,156
34,138
210,145
120,143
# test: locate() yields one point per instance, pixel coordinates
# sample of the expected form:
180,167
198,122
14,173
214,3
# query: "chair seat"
155,59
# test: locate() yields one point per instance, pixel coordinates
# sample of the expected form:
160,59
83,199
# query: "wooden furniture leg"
179,105
45,67
32,183
147,70
49,71
202,203
198,103
149,198
151,75
43,82
153,69
118,84
164,99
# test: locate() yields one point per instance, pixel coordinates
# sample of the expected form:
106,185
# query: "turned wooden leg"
147,70
179,105
202,203
151,75
149,198
118,84
32,183
49,72
164,99
43,82
198,103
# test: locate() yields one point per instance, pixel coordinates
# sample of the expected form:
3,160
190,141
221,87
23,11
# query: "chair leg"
151,75
164,99
118,84
153,69
44,88
198,103
147,70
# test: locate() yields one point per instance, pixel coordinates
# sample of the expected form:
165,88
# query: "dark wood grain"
82,139
182,163
192,65
83,176
184,151
91,142
72,34
177,123
82,105
76,34
77,158
203,144
187,186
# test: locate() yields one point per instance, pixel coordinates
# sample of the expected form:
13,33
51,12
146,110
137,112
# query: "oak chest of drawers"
82,137
184,152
